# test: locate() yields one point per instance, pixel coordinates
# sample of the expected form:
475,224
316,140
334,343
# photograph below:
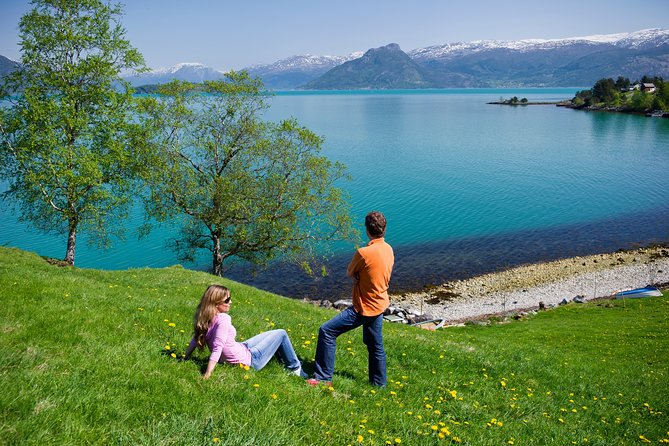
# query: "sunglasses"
227,301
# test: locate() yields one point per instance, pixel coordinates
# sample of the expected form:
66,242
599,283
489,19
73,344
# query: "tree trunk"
218,259
71,242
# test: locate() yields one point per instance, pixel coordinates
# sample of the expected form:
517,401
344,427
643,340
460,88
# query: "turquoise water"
466,186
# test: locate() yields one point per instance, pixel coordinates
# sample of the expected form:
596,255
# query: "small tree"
67,139
244,187
622,83
605,91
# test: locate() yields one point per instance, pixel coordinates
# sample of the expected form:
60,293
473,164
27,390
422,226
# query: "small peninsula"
523,101
649,96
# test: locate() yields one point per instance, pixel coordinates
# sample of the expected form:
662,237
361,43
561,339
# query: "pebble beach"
527,287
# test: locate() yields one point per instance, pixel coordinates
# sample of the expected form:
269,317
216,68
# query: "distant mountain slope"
190,72
577,61
7,66
559,62
289,73
387,67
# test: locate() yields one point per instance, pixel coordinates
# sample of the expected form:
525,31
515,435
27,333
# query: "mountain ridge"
573,61
386,67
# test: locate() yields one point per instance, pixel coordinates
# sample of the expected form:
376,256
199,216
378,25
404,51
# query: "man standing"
370,270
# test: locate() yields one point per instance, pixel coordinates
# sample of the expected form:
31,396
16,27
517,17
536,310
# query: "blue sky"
236,34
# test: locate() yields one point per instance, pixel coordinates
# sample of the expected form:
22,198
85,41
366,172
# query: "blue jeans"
372,336
268,344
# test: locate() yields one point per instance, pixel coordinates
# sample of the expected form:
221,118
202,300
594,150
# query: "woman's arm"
190,349
210,368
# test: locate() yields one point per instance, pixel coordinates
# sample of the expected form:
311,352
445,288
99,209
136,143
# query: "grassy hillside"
86,359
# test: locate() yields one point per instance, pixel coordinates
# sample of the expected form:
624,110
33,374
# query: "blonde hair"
206,311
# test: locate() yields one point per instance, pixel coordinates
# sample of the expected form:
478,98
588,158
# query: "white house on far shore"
645,87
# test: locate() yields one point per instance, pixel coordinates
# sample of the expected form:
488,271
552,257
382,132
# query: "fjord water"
466,187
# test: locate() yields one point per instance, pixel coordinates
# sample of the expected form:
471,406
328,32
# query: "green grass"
83,361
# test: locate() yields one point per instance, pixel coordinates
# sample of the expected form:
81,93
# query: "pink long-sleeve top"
221,341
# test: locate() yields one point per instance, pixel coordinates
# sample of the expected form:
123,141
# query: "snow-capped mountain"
191,72
645,39
297,70
307,61
574,61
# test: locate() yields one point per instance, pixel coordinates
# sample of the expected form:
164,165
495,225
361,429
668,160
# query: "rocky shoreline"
546,284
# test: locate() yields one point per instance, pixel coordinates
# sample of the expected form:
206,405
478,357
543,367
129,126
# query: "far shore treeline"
648,95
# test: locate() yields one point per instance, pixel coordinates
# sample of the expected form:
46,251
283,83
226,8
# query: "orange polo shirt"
373,265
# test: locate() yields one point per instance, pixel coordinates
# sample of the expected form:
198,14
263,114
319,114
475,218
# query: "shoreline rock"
529,287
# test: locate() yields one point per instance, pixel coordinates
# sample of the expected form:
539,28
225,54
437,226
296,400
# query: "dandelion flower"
360,438
174,355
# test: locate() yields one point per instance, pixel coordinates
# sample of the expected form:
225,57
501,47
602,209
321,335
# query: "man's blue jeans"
372,336
265,345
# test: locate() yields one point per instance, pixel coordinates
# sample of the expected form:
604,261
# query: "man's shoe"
314,382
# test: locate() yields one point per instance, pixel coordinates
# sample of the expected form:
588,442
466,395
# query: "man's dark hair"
375,223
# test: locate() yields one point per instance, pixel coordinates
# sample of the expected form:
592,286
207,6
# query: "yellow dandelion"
644,439
274,396
216,439
174,355
171,324
360,438
167,347
398,440
256,385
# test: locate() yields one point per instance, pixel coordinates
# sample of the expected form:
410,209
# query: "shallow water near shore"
467,187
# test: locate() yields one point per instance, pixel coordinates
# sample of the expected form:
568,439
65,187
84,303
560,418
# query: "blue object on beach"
639,292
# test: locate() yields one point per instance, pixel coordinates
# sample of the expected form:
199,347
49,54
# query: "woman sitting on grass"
212,325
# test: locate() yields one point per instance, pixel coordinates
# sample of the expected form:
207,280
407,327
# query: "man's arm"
355,266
